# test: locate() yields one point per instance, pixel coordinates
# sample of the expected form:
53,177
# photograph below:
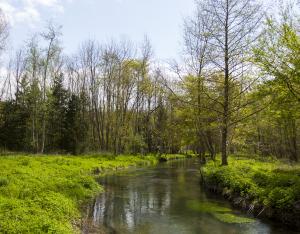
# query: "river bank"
266,189
43,194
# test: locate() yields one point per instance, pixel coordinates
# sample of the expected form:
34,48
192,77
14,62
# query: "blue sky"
160,20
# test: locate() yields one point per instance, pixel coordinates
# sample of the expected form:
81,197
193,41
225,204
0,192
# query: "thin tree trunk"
226,94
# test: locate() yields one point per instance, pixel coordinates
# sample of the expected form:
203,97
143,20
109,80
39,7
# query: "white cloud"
28,11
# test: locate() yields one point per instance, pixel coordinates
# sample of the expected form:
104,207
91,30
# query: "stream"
166,199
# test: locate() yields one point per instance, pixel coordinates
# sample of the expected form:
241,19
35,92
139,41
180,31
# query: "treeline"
105,98
236,90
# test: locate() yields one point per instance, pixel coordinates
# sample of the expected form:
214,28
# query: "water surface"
163,200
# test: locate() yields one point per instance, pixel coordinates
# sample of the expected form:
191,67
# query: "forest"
237,90
234,92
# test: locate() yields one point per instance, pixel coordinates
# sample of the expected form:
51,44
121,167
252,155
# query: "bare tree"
52,51
90,57
32,74
4,31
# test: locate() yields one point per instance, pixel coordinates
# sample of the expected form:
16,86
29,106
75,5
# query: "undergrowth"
273,184
43,194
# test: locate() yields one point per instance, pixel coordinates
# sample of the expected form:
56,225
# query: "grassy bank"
40,194
265,188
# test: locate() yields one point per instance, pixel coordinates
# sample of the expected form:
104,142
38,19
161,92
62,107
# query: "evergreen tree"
76,127
58,103
13,126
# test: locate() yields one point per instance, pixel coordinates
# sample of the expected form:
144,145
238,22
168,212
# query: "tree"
277,57
56,122
52,53
31,76
197,52
4,31
233,30
277,53
13,126
76,128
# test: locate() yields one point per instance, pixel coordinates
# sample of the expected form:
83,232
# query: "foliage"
274,184
13,121
57,116
239,96
278,54
43,194
76,129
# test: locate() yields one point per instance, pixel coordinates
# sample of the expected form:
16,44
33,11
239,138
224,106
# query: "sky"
102,20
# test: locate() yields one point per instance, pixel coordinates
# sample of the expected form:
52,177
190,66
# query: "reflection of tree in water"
128,200
154,201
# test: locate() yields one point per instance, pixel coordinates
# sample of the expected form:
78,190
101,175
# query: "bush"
281,197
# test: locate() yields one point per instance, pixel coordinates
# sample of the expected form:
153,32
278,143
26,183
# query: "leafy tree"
278,54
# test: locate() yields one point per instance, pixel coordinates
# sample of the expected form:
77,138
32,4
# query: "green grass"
274,184
43,194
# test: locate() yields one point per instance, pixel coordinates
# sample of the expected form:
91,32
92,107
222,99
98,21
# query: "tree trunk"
226,93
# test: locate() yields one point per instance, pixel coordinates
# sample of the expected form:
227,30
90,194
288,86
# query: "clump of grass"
43,194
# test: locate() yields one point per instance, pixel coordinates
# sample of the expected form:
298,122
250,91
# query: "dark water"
154,200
